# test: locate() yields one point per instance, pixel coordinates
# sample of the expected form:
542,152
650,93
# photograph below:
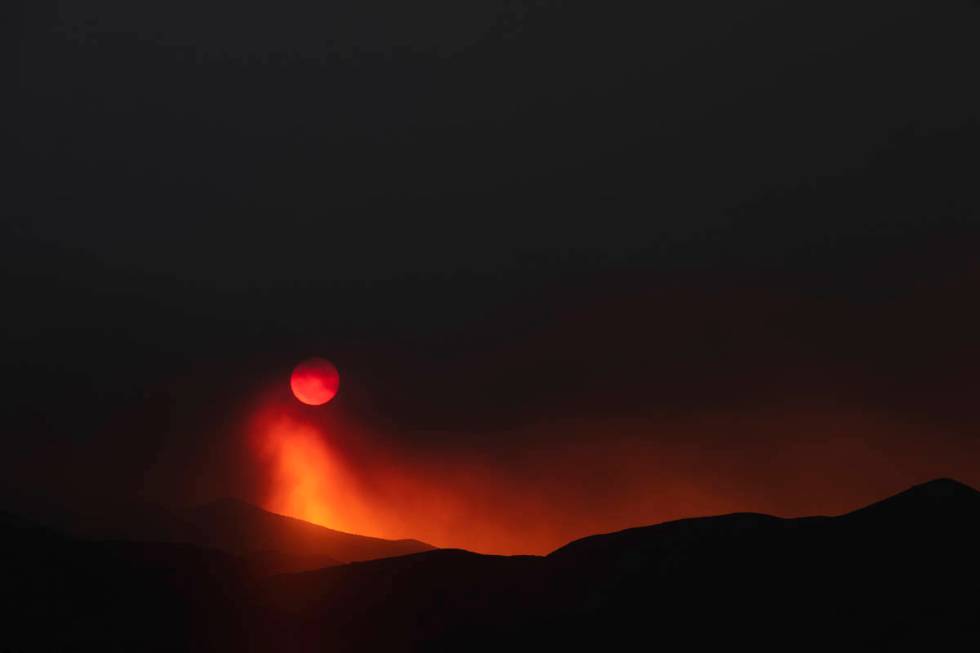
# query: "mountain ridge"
236,525
885,575
901,571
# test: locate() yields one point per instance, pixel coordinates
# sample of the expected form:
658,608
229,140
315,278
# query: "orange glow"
533,491
315,381
306,478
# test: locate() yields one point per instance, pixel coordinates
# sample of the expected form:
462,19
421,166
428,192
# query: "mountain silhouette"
242,528
901,572
65,593
270,542
889,573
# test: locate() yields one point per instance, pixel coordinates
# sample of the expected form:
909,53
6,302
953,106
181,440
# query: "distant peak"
235,508
228,503
942,487
926,496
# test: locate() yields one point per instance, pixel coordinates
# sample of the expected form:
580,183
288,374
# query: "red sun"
315,381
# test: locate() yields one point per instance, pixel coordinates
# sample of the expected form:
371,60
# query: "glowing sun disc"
315,381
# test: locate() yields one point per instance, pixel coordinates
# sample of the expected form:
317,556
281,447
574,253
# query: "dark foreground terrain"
901,573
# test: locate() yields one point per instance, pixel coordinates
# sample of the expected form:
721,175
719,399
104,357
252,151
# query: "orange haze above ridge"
557,482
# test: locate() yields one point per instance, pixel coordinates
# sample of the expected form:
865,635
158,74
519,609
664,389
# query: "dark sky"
505,221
